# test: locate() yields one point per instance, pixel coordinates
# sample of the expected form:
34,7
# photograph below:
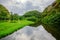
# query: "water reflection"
30,33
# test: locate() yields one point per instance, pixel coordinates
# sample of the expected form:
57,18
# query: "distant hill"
34,16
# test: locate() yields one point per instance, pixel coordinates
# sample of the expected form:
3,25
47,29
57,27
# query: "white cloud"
23,1
21,6
22,37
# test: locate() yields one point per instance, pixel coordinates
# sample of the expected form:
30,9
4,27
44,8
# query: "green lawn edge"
15,27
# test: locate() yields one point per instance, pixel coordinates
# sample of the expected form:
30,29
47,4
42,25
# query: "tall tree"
4,13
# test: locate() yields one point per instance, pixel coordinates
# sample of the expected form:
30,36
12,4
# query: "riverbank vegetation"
10,22
49,18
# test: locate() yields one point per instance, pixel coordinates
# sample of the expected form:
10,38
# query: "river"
30,33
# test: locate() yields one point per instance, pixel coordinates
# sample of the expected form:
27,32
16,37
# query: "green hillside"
4,13
51,19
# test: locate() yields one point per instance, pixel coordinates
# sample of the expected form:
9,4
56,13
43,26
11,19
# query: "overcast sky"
21,6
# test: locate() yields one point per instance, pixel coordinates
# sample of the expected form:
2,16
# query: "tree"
32,15
14,16
4,13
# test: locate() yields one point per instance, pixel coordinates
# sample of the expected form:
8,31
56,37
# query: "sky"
21,6
30,33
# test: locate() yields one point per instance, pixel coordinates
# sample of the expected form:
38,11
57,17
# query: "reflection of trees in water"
37,34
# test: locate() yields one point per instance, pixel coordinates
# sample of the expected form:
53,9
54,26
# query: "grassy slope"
7,28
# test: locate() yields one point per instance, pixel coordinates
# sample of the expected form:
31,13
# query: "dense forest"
4,13
49,18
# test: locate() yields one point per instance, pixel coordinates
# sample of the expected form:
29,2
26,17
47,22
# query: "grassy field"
7,28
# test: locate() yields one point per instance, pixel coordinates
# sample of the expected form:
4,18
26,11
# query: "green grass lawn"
7,28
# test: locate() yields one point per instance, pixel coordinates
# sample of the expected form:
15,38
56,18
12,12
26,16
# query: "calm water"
30,33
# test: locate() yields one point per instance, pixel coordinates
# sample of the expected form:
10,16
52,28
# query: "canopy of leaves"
51,19
58,0
32,15
4,13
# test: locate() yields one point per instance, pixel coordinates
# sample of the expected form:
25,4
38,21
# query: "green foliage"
7,28
51,20
58,0
14,16
4,13
32,15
